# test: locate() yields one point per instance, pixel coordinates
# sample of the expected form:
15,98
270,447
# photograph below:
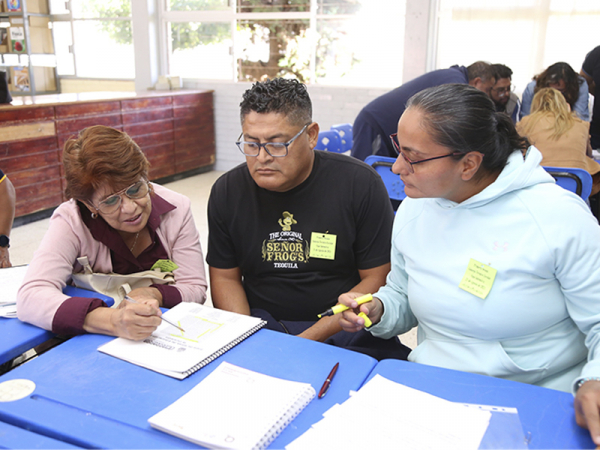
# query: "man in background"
378,119
7,215
502,94
591,72
292,229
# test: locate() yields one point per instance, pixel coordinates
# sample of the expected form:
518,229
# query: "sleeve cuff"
70,316
170,294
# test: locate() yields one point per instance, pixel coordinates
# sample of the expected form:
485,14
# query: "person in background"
7,215
378,119
502,94
562,77
292,229
590,71
495,263
561,136
124,224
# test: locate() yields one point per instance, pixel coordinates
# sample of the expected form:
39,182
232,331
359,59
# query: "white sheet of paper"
10,280
385,414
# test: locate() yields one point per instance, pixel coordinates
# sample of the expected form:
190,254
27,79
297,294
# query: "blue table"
547,415
17,337
89,399
16,438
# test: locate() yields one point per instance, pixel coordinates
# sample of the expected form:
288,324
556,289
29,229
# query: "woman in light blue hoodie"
497,265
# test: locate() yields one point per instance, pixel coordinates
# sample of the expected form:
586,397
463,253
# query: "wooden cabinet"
175,130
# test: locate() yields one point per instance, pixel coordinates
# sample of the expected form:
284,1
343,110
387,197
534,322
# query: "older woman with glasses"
123,224
495,263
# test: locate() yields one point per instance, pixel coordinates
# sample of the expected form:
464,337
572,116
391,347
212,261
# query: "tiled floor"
26,238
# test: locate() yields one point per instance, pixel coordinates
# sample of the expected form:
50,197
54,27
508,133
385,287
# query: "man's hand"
4,258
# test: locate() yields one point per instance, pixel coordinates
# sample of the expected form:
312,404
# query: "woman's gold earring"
94,215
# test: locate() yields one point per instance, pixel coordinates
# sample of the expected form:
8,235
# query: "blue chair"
393,183
578,181
330,141
345,130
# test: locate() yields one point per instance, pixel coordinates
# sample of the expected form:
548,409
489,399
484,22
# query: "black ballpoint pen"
325,386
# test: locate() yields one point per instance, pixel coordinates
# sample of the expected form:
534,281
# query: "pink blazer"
68,238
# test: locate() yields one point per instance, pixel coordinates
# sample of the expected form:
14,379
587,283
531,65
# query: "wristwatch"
4,241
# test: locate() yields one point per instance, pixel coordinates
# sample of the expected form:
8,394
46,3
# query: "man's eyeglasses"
505,90
275,149
410,162
112,203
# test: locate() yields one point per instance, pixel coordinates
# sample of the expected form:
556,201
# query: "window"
94,38
341,42
526,35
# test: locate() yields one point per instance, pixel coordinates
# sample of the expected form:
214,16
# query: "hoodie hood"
519,173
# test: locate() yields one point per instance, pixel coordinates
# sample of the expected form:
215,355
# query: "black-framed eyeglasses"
275,149
505,90
112,203
410,162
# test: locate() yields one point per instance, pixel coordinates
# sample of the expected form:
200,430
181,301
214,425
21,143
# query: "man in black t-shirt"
293,228
591,72
7,215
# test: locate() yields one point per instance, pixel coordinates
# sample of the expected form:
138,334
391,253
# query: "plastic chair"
330,141
578,181
345,130
393,183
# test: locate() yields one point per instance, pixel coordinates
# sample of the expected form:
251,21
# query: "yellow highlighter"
341,308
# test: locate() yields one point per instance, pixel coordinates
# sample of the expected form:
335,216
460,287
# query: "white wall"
331,105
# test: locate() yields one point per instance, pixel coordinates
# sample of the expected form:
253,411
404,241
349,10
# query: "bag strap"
85,263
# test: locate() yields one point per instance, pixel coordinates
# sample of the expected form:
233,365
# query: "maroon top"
70,316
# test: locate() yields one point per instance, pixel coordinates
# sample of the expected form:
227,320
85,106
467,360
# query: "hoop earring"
94,215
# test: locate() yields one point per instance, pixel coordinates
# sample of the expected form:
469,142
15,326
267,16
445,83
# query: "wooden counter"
175,130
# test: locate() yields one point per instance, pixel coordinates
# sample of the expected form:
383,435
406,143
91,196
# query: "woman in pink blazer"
123,224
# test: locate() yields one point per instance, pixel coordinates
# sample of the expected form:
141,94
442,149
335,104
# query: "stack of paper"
10,280
385,414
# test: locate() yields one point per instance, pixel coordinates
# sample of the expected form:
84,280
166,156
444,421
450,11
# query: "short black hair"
556,72
502,71
480,69
279,95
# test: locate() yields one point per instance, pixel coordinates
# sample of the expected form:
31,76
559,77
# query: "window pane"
104,49
201,50
338,6
197,5
273,48
65,64
58,7
96,9
255,6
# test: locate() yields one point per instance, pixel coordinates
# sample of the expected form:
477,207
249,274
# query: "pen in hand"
129,299
341,308
327,382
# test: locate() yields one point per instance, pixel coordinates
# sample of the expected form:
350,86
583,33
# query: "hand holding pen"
370,311
129,299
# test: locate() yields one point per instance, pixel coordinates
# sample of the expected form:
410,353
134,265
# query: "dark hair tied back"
464,120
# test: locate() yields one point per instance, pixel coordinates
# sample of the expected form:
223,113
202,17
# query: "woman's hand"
349,320
587,405
136,321
143,295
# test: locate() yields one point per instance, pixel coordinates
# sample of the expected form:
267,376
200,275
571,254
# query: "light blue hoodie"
544,305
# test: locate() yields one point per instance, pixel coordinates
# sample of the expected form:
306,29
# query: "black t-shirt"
591,66
299,250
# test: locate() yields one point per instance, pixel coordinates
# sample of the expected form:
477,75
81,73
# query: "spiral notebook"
234,408
209,333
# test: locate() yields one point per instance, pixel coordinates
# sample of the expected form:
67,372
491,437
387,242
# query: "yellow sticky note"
478,279
322,245
165,265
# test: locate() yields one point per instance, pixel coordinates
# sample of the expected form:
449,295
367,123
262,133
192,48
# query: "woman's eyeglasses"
411,163
112,203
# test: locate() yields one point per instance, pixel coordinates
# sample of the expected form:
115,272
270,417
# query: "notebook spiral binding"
303,399
222,350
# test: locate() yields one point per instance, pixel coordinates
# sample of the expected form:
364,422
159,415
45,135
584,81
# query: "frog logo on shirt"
287,222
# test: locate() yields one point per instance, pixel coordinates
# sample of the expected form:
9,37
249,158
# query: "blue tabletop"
16,438
17,337
86,398
547,415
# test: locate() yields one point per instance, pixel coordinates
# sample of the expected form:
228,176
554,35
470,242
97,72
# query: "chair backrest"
578,181
330,141
393,183
345,130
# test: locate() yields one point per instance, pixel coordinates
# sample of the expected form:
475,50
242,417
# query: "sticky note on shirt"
165,265
322,245
478,279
